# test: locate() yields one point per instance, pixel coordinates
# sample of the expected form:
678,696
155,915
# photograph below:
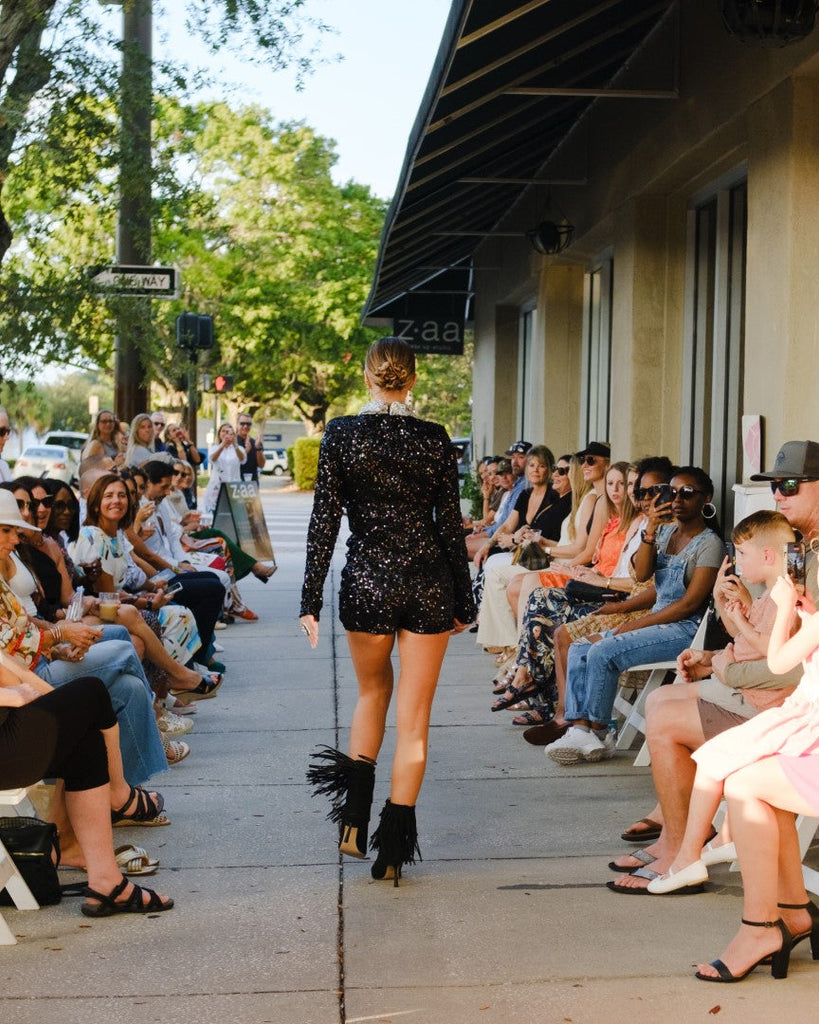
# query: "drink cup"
109,605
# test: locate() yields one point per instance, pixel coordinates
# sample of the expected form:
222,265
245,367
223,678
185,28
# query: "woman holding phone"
406,580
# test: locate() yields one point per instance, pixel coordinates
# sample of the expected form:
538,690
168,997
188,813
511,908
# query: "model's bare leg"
370,654
757,797
421,657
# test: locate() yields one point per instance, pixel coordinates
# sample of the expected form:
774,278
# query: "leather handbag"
30,843
579,592
531,556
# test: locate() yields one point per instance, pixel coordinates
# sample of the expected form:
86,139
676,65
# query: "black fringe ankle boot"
395,841
349,782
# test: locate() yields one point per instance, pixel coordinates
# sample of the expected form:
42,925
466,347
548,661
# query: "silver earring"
712,513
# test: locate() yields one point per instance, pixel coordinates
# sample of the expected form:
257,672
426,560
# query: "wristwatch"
647,540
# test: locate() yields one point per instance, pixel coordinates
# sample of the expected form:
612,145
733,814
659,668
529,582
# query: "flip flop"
630,891
650,834
643,856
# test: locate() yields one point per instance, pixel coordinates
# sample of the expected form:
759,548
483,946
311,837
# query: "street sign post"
151,282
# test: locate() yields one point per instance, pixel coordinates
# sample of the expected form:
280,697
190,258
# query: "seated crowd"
614,565
109,602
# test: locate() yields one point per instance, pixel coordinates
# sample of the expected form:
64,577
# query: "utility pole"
131,385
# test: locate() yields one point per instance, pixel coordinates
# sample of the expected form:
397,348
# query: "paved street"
506,920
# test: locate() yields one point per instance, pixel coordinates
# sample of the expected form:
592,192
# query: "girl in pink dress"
768,769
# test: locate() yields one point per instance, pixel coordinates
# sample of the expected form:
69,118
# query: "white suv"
275,461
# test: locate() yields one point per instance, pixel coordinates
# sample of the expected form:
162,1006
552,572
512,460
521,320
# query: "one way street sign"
155,282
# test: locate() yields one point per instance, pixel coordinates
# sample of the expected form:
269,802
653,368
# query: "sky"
367,101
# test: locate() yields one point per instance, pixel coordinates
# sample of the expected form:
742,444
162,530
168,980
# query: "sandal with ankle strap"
134,904
515,695
779,959
147,811
813,931
204,691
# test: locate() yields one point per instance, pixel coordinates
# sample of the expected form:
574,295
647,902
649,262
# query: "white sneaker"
173,725
218,648
575,746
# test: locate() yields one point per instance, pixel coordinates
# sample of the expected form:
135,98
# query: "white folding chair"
14,802
633,711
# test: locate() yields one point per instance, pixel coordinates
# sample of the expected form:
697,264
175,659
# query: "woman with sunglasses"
40,554
544,603
683,554
5,431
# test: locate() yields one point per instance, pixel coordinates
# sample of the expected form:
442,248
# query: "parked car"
52,460
71,439
275,461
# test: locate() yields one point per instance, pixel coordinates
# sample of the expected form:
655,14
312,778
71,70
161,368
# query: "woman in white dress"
226,458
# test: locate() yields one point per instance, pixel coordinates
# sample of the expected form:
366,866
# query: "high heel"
779,960
395,841
814,925
349,782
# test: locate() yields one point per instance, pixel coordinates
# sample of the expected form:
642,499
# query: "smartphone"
173,589
794,557
732,559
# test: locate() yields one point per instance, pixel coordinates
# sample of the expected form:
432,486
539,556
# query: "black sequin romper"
407,568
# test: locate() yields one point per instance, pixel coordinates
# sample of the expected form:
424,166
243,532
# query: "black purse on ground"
30,843
579,592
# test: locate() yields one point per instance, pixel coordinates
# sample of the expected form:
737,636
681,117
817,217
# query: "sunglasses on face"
23,505
106,419
686,492
5,431
46,502
561,470
247,424
61,506
787,488
589,460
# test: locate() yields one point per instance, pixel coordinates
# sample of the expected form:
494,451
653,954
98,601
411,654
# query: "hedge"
305,462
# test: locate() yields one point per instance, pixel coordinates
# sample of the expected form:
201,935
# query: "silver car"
51,460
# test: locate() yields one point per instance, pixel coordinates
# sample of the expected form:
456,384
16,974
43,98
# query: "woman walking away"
406,578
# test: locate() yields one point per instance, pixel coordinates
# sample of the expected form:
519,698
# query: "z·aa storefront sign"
441,337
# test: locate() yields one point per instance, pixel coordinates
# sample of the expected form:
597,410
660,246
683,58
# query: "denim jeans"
593,669
115,662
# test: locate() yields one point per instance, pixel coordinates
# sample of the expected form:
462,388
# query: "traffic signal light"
222,382
194,331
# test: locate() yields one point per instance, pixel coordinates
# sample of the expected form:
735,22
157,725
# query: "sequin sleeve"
451,531
324,525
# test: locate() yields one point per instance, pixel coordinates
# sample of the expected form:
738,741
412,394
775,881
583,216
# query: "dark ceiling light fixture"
550,238
769,22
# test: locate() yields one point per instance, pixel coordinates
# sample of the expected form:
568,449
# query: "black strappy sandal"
779,960
148,811
134,904
204,691
516,694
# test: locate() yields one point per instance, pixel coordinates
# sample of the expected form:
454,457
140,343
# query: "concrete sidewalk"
506,921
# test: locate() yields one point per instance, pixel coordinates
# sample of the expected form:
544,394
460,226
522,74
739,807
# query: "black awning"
476,145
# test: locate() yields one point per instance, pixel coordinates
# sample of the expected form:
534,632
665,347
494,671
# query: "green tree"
278,253
25,404
54,50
